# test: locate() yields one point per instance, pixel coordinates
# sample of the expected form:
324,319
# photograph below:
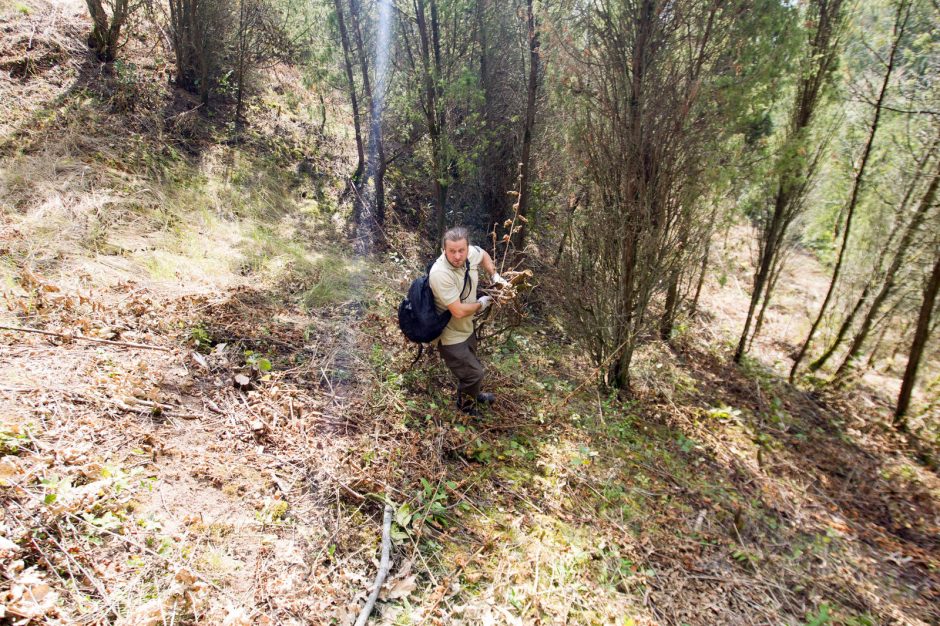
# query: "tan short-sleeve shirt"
446,283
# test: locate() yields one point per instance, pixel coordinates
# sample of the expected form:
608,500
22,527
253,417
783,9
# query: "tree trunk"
883,324
917,346
573,203
776,269
435,131
360,152
531,92
843,330
105,36
693,309
667,321
821,55
118,18
376,157
363,61
99,29
913,226
767,253
847,323
900,25
241,50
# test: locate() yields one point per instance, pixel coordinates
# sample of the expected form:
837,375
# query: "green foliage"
257,362
12,440
723,412
434,499
107,521
685,444
820,617
745,557
201,339
778,414
273,512
129,86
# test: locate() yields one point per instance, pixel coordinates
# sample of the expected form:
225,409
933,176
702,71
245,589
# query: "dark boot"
468,407
486,398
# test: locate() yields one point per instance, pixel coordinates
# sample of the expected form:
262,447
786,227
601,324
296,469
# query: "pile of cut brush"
506,294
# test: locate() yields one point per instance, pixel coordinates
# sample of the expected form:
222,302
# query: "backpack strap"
420,352
466,279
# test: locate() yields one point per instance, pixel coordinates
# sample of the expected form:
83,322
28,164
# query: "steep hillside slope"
222,404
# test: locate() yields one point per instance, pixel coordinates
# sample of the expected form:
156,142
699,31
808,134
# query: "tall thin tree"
429,48
921,334
920,214
795,171
353,98
529,124
878,268
902,14
376,158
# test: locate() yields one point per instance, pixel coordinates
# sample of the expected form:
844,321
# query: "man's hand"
484,302
496,279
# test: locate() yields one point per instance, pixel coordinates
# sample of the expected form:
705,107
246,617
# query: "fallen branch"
383,566
64,336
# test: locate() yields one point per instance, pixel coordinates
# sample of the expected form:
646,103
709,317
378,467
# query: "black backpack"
418,317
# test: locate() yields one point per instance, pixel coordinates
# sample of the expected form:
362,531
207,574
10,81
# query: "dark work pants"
461,359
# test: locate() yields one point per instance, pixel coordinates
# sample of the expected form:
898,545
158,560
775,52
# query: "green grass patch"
332,282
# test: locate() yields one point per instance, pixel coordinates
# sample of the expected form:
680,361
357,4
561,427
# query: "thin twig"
107,341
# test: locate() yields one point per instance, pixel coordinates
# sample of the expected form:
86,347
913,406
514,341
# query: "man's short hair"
455,234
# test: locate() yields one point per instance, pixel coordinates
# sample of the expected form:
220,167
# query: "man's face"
456,252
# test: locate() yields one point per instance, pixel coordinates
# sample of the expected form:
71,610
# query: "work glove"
496,279
485,301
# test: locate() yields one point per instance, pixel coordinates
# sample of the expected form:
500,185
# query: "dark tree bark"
431,105
573,203
376,158
105,35
843,329
921,335
531,93
900,25
693,308
243,41
776,269
363,61
354,100
668,319
198,33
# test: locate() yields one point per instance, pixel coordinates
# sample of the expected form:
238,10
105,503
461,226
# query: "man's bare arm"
460,310
488,266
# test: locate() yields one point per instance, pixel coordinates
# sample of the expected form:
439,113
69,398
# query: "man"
454,284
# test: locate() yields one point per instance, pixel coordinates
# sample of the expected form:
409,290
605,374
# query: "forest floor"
229,466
